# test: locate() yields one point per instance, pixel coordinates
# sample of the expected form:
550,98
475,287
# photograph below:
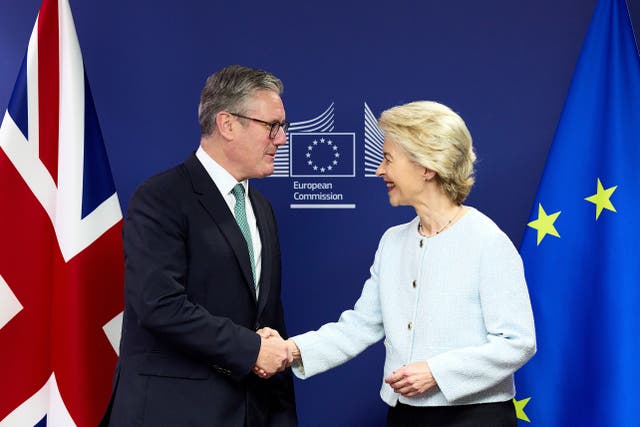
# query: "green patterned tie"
241,218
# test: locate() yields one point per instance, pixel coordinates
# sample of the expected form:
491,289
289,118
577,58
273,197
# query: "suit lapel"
263,219
217,207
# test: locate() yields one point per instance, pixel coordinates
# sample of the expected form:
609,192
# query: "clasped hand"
274,356
412,379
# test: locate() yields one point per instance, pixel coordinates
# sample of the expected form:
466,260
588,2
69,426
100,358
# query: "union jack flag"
61,266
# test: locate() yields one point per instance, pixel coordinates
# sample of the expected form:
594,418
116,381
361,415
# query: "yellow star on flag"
544,224
520,404
602,199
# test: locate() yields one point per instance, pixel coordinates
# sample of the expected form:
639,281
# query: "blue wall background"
504,66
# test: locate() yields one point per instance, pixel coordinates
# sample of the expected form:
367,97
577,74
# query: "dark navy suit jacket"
188,342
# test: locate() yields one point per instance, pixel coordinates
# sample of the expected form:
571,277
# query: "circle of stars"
333,161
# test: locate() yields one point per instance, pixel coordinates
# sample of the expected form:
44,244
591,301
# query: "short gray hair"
228,89
437,138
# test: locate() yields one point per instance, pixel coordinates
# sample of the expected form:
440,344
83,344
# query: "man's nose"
281,137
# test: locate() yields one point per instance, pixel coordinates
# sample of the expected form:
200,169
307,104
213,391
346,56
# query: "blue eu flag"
322,154
581,248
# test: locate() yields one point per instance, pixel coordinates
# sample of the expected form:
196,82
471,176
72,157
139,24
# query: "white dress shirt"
225,183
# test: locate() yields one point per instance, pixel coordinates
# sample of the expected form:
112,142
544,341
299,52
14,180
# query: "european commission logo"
315,154
314,150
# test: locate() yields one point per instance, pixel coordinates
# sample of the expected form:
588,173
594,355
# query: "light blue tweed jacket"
457,300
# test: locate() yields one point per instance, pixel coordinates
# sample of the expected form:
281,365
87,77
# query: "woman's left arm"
508,318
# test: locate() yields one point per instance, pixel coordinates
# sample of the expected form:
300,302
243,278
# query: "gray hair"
228,89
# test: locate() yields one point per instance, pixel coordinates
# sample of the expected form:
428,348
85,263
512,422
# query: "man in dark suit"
202,263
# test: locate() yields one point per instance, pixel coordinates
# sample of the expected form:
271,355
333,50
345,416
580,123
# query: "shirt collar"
220,176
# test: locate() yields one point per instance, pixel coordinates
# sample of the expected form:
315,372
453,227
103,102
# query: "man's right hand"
274,356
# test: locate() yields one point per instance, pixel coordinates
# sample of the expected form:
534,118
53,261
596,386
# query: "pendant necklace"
442,229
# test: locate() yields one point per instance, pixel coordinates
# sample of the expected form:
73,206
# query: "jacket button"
414,284
409,325
420,242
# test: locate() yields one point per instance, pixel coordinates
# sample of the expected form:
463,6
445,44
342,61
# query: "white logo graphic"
316,154
323,154
373,140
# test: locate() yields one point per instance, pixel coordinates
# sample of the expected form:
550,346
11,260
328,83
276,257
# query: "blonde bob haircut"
437,138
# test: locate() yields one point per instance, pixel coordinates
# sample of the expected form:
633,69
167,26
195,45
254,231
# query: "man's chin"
266,172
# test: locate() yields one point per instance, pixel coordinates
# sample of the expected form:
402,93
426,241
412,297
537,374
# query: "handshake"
275,353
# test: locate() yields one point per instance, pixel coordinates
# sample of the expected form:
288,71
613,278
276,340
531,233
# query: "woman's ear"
429,174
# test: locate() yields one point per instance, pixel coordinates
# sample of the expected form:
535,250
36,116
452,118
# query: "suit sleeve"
156,262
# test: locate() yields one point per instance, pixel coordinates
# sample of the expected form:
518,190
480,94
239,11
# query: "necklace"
442,229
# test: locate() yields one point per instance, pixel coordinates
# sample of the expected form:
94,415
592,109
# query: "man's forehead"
266,101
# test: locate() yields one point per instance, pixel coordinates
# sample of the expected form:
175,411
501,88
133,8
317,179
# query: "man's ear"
225,125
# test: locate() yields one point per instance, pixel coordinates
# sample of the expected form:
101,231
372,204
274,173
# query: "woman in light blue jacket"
447,290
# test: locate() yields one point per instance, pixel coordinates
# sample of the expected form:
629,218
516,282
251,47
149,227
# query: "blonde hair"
437,138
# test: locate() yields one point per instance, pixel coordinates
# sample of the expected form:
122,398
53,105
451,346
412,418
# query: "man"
202,263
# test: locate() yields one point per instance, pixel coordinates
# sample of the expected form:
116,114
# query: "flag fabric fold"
61,266
581,248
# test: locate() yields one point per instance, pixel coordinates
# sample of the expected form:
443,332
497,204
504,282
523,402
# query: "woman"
447,290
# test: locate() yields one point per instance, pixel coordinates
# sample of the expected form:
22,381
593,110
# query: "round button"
420,242
409,325
414,284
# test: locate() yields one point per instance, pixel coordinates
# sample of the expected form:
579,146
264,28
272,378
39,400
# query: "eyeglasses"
274,127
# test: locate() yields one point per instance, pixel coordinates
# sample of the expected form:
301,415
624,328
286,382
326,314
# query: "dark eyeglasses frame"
274,126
